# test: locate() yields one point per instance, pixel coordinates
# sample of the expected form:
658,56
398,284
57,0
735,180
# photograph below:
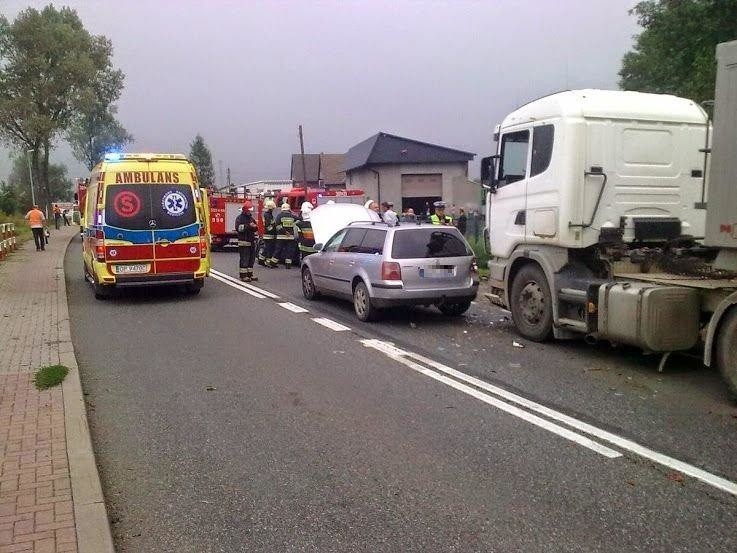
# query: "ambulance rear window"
149,206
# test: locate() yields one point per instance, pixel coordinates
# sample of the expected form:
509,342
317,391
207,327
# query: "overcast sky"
245,74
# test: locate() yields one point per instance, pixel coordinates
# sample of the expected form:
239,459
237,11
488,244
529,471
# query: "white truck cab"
596,216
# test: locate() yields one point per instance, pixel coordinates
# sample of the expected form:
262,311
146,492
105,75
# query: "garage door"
422,186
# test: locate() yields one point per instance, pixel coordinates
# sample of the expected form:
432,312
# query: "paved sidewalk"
50,494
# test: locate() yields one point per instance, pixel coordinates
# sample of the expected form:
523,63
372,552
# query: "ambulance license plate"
128,269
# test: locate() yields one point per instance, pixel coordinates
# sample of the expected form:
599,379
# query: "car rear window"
135,206
428,242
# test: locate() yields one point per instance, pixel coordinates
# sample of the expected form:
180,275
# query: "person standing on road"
57,216
439,217
246,227
390,216
65,216
35,218
462,221
285,244
267,251
303,233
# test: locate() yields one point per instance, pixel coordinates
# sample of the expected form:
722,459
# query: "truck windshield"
428,242
149,206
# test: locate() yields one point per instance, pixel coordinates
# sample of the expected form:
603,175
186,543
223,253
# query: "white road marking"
237,286
293,308
623,443
246,285
402,357
332,325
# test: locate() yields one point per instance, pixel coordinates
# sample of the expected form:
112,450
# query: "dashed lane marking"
289,306
235,284
251,287
329,323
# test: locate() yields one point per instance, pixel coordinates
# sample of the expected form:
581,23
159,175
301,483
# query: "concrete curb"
90,514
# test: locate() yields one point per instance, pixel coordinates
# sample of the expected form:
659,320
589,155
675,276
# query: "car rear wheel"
726,350
531,304
362,303
308,285
453,309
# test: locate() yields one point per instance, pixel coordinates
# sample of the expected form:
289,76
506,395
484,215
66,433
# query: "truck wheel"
531,304
362,304
726,350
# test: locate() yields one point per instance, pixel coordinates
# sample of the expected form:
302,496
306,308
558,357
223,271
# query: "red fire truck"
224,208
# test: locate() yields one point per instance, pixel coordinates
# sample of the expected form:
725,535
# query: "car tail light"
474,265
100,245
391,270
203,242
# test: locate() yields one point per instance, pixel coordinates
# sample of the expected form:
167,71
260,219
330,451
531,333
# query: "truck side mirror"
488,173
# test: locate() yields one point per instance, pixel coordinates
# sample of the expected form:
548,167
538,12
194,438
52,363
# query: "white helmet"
306,208
285,207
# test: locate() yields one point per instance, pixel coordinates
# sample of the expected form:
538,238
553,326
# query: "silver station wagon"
378,266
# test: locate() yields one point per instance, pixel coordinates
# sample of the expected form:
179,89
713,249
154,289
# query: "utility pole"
302,150
30,176
220,166
228,173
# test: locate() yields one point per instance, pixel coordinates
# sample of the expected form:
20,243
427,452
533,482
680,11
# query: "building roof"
609,104
312,167
331,169
389,148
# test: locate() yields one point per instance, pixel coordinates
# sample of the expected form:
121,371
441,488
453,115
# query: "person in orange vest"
35,218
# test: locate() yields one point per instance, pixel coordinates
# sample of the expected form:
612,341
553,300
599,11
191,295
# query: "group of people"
287,239
439,217
60,215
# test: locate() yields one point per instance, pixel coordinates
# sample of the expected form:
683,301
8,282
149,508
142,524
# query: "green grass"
47,377
482,257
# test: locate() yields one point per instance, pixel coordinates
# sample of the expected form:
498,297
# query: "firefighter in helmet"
247,228
303,232
267,250
285,243
439,217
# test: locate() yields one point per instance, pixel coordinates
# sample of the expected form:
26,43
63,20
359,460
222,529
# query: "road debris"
210,388
516,344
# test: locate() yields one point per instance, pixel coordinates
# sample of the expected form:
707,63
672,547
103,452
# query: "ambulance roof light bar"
118,156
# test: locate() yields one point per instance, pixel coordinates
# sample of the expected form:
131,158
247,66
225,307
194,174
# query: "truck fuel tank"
653,317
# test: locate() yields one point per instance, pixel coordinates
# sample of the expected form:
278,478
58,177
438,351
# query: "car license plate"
127,269
441,271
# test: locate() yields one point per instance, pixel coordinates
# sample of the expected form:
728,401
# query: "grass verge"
48,377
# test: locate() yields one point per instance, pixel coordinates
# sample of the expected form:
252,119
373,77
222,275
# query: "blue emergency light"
112,156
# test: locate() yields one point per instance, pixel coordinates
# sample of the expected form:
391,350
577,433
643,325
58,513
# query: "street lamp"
30,175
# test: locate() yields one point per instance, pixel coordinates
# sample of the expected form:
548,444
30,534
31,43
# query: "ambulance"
145,222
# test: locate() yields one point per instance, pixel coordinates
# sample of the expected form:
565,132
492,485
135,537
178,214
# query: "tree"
59,184
48,63
675,53
8,199
199,155
95,133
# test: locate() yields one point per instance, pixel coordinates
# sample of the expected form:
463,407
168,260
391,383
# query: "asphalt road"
226,422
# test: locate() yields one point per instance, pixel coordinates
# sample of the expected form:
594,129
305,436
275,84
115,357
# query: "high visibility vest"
285,226
305,236
435,220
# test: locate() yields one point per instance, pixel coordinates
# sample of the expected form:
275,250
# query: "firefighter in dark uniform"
285,243
247,229
439,217
303,232
269,242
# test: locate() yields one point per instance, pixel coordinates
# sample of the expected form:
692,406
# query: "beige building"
411,173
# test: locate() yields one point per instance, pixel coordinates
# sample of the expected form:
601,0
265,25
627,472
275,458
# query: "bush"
479,249
50,376
22,229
